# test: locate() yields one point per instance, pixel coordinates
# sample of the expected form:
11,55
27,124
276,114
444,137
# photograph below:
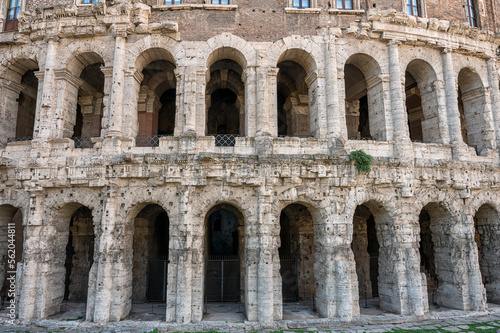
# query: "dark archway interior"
27,105
224,253
414,108
14,217
223,115
79,255
426,249
365,247
357,120
90,105
151,254
293,100
157,99
297,253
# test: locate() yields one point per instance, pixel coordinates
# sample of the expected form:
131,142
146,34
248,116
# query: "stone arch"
225,93
422,102
297,254
364,98
472,109
75,57
446,251
18,99
224,252
68,220
487,235
157,95
295,89
217,46
175,50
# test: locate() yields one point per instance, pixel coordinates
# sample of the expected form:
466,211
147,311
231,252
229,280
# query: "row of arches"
161,93
443,248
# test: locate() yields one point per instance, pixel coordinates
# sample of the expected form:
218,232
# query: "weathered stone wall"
306,174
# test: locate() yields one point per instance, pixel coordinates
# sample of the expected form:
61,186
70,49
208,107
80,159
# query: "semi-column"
114,112
45,112
495,97
402,143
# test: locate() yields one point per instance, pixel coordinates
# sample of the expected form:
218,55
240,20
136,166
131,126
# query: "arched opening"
297,113
296,253
19,98
224,253
84,99
471,106
150,258
293,100
157,98
422,102
365,246
487,235
79,255
11,250
225,101
438,255
364,104
90,106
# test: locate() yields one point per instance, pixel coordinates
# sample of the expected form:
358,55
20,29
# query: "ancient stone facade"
145,139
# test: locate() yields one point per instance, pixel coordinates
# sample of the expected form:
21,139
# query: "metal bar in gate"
222,281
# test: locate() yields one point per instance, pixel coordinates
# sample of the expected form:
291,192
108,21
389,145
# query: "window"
220,2
13,9
413,7
172,2
344,4
470,7
301,4
89,1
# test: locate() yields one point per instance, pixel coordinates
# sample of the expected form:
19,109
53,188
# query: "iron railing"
157,280
289,278
18,139
148,140
222,279
82,143
225,140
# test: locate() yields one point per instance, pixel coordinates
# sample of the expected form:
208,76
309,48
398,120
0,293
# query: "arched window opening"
157,103
486,222
225,102
293,106
79,255
27,106
18,99
11,232
297,256
150,255
422,103
427,260
364,104
365,247
90,106
414,108
224,253
471,105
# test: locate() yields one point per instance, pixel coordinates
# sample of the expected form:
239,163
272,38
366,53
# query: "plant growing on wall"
361,159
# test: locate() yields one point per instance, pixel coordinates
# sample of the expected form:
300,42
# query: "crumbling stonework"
145,154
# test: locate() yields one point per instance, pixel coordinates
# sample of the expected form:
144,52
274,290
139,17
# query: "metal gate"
222,281
289,278
157,280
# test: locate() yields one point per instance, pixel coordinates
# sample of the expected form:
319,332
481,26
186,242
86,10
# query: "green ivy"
361,159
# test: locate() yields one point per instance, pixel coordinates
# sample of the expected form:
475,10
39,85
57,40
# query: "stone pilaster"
46,108
9,93
66,103
451,93
402,143
495,97
251,121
